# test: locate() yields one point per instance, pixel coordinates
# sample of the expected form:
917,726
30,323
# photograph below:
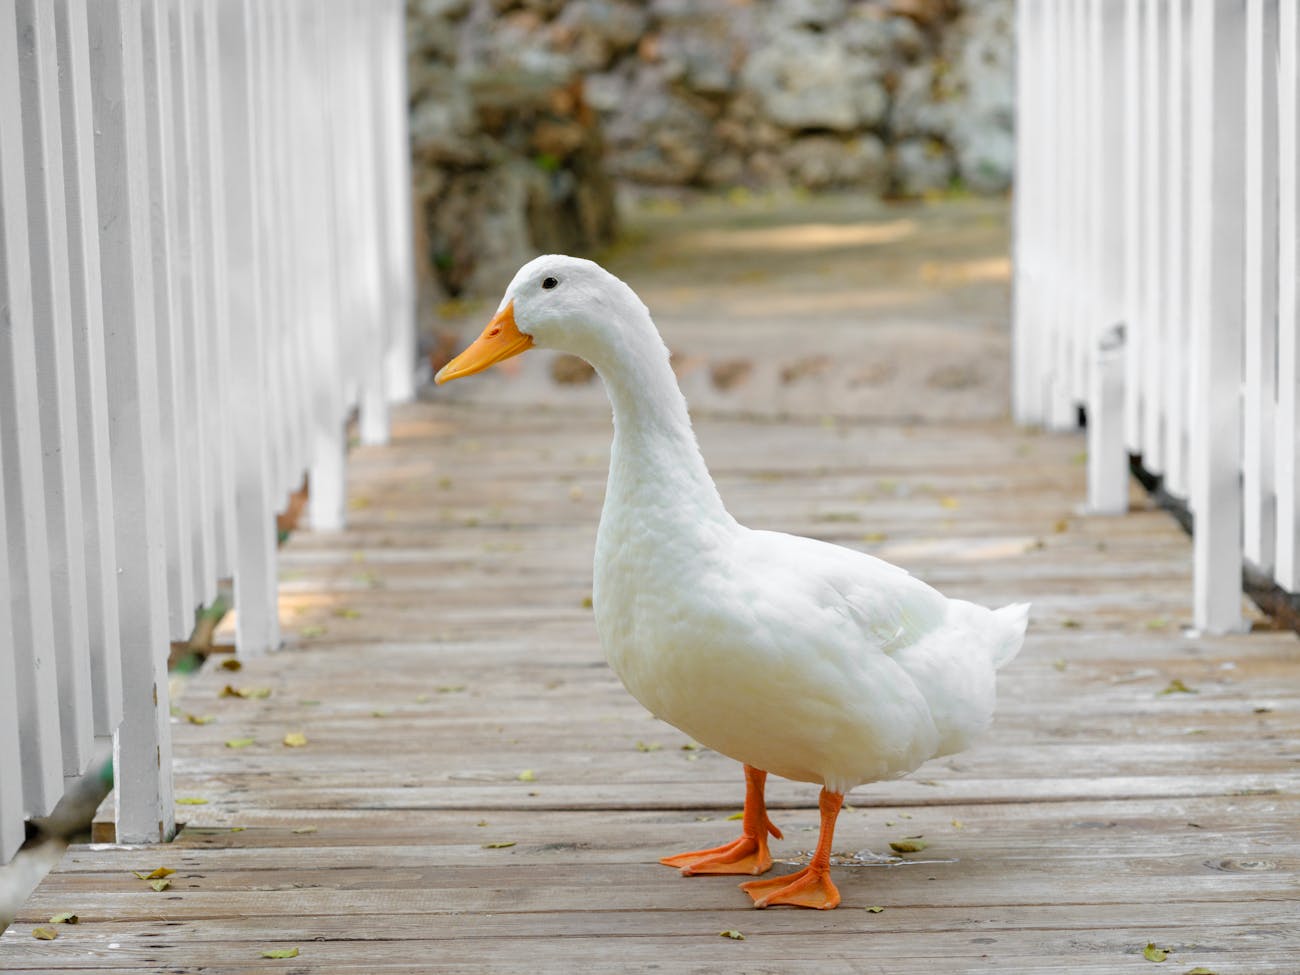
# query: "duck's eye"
549,283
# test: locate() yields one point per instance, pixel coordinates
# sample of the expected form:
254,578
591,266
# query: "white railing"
204,265
1156,263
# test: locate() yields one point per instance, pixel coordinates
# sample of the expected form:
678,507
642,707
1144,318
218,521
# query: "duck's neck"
656,470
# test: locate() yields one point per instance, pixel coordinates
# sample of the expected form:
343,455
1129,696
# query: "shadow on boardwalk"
477,792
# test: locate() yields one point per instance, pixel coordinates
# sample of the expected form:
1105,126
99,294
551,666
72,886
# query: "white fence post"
142,747
82,198
20,461
12,832
52,306
1286,446
1218,303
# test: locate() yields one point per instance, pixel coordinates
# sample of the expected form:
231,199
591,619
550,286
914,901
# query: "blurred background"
840,160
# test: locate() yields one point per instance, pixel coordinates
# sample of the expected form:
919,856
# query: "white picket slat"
1259,388
1174,250
257,619
392,112
1133,226
1286,444
12,831
142,744
55,379
20,462
99,547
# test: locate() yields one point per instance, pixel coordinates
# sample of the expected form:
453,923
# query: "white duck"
792,656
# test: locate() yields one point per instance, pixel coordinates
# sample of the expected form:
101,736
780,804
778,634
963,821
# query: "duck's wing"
891,608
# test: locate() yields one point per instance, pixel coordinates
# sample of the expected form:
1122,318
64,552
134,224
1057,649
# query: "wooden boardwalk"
476,792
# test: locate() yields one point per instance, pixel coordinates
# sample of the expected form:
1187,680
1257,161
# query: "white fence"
204,265
1156,263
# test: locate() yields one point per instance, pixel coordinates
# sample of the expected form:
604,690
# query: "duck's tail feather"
1014,619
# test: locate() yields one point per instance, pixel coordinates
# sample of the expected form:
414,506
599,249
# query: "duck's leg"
811,886
748,854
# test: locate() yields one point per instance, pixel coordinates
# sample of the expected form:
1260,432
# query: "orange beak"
500,340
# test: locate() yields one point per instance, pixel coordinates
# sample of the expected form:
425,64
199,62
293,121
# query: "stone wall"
522,109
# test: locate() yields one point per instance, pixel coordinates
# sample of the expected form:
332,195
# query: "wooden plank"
1217,306
87,331
20,464
142,744
52,307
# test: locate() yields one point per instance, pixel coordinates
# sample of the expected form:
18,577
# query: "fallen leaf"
958,824
1070,624
44,934
498,846
239,742
873,537
1152,953
1176,686
308,632
422,699
1059,663
304,829
191,801
160,885
910,845
310,704
690,746
643,747
245,692
450,688
67,917
295,739
1061,526
379,714
949,502
481,822
280,953
732,934
1199,970
587,602
199,718
346,613
874,910
230,663
156,874
526,776
739,815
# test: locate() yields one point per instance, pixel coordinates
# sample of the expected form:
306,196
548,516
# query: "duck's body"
793,656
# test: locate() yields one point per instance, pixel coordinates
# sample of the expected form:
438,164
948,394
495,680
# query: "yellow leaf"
422,699
295,739
44,934
498,846
379,714
160,885
1152,953
157,873
230,663
245,692
199,718
949,502
739,815
346,613
191,801
733,935
67,917
239,742
643,747
304,829
280,953
874,910
449,688
307,632
526,776
1176,686
912,844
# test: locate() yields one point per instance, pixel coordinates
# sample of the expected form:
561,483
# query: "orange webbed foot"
744,855
810,887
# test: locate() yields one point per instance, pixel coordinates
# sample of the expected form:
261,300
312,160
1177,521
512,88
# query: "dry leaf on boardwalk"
280,953
44,934
295,739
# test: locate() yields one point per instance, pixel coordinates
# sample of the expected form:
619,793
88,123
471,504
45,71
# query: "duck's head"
554,302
